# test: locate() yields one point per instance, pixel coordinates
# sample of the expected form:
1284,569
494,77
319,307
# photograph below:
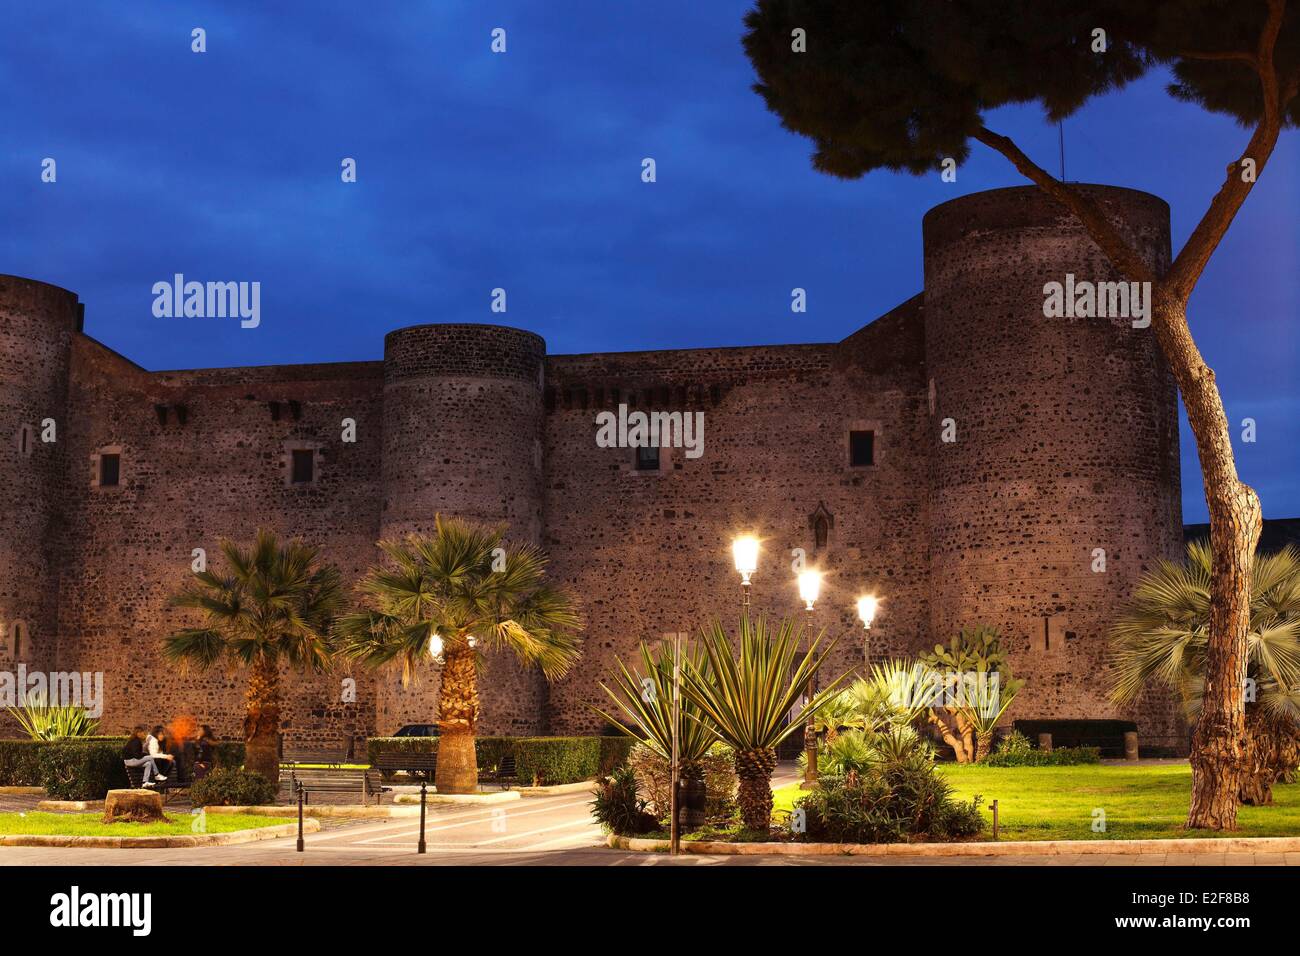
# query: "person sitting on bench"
135,755
154,748
205,752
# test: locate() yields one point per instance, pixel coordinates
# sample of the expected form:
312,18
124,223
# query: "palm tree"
1162,636
452,596
274,604
755,701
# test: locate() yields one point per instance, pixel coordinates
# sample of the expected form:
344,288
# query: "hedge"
551,760
83,768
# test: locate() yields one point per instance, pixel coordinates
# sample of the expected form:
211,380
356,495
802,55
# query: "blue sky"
522,171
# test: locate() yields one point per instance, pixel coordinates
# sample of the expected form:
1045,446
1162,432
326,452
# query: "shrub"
653,779
20,763
81,769
550,759
614,752
1016,751
230,753
232,787
618,808
900,797
543,761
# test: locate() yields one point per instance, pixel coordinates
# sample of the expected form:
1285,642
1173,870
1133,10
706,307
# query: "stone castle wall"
1067,441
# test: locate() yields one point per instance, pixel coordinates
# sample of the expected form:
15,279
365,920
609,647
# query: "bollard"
1130,745
424,791
1045,743
300,844
994,807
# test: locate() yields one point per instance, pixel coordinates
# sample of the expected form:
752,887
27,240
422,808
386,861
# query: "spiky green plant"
755,699
273,604
644,699
42,720
1162,634
965,707
475,592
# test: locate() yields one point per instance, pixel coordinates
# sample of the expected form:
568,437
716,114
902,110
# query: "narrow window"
110,470
647,459
862,449
304,466
821,532
25,440
18,640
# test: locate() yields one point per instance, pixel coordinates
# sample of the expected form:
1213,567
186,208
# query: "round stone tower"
37,322
1054,441
463,422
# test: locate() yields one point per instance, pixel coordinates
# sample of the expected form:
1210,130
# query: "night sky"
523,170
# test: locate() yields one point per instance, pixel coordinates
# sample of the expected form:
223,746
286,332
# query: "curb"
59,805
23,791
1009,848
582,786
160,842
322,810
501,796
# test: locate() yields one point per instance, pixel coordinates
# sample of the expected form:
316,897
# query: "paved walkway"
552,830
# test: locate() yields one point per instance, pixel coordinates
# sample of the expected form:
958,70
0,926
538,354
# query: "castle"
963,456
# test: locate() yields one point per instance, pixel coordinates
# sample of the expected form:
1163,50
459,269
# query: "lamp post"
867,606
810,586
745,552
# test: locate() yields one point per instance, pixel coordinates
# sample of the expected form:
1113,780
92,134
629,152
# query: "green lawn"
88,824
1058,803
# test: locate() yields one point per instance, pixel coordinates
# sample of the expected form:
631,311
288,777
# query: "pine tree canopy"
904,84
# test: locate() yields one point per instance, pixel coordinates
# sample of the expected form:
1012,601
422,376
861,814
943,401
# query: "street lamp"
810,587
435,644
867,605
745,552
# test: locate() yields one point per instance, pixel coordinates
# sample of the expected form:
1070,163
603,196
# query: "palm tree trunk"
1218,753
262,720
458,709
983,744
755,768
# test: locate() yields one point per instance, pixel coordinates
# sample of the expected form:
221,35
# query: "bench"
502,774
325,780
172,785
421,766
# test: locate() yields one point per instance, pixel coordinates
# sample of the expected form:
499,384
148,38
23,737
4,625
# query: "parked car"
417,730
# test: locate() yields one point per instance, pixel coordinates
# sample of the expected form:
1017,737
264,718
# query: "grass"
1060,803
88,824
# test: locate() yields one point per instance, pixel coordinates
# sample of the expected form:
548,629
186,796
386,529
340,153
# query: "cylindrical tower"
1054,440
462,437
37,322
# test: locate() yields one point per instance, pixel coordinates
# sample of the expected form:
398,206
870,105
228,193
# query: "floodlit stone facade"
1063,444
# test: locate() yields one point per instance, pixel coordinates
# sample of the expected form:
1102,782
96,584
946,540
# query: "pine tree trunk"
458,710
1218,751
262,720
754,768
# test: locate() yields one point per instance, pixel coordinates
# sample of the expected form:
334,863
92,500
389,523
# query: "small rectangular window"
647,459
862,449
110,469
304,465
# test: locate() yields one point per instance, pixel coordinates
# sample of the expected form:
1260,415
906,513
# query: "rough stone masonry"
1063,440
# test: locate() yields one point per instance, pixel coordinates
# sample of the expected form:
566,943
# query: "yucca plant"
755,700
644,699
42,720
452,596
273,604
1161,637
